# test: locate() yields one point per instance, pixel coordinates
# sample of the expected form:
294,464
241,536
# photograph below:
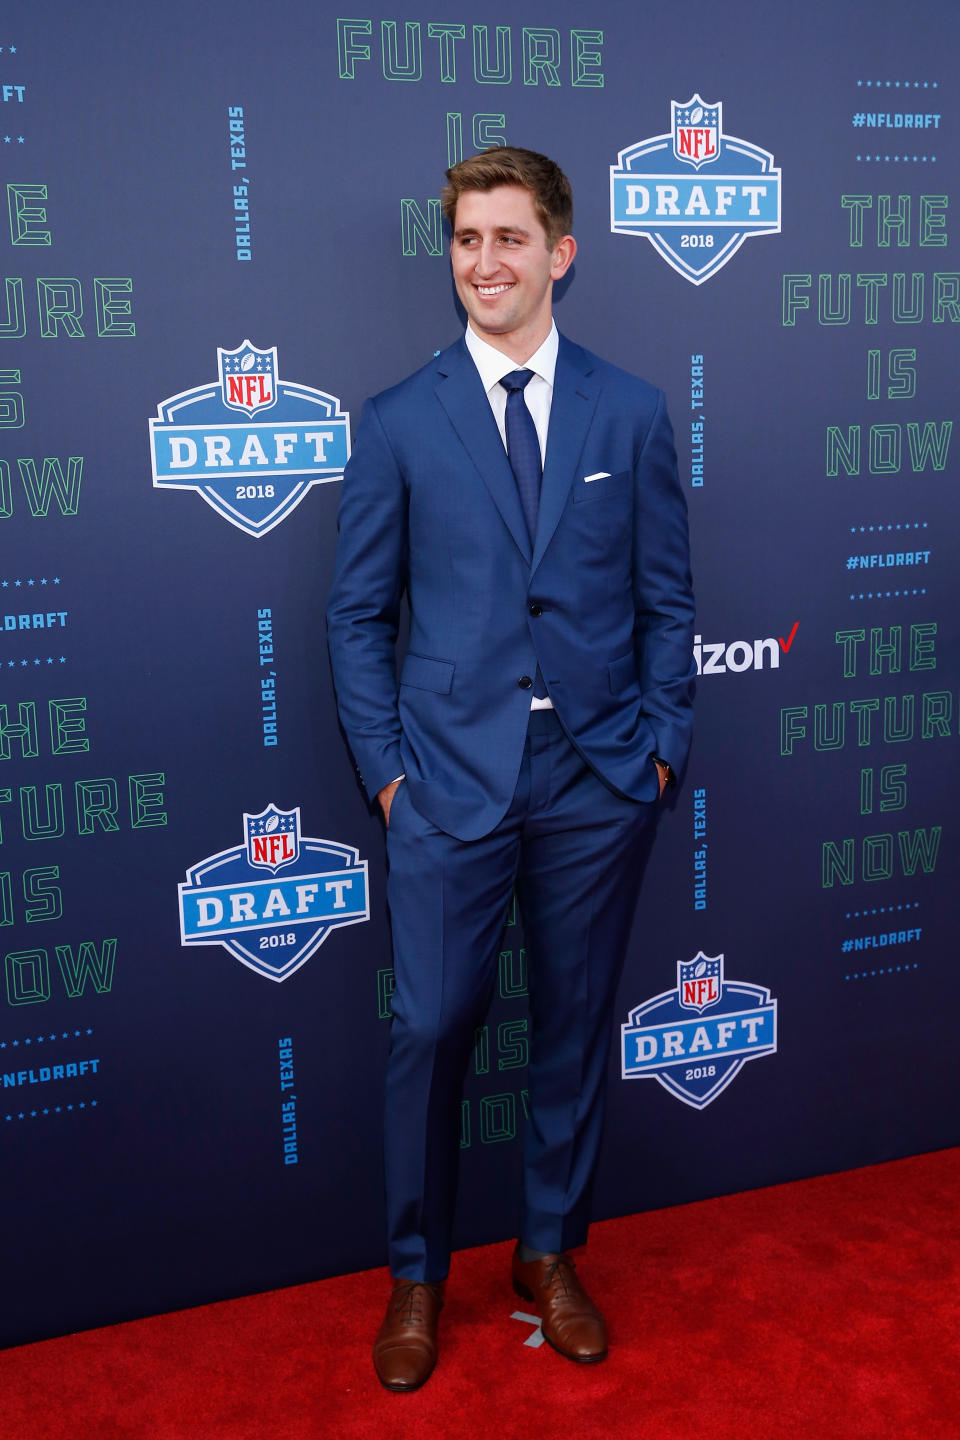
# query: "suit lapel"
460,392
575,395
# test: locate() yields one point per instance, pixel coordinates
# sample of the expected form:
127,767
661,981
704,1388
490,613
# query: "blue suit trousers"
575,850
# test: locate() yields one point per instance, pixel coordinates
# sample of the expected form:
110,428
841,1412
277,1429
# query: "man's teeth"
493,289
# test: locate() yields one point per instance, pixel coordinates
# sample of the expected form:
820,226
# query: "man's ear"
563,253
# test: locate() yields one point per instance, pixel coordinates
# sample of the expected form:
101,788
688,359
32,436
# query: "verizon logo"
718,657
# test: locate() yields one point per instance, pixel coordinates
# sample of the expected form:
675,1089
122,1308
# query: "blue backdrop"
223,219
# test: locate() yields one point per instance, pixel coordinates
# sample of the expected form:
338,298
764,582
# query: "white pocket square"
600,475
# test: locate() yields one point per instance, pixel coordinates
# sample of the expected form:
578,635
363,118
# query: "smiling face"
504,268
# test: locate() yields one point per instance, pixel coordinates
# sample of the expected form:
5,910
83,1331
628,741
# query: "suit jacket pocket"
600,488
423,673
622,672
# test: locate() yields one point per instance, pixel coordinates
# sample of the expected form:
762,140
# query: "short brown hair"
508,165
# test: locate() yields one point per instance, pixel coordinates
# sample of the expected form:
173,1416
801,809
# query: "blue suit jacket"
602,600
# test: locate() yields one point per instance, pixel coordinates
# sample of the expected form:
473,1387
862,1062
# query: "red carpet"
829,1307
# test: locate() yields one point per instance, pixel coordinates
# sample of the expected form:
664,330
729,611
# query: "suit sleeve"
663,593
363,610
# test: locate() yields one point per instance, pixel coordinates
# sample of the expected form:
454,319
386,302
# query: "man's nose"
487,261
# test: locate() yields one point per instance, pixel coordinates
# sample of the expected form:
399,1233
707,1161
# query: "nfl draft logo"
250,443
273,925
695,194
696,1058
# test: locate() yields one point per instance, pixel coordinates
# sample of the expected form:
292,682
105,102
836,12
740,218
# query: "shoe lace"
408,1298
556,1276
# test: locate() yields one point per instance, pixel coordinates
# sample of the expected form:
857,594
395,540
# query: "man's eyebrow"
497,230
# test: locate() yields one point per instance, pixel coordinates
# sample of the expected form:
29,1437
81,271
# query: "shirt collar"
493,364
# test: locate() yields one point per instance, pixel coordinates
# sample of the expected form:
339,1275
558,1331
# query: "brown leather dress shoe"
405,1350
571,1322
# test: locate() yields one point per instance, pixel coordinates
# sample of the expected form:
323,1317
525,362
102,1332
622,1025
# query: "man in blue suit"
543,704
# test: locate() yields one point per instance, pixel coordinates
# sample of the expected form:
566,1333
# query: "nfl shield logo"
696,131
248,378
699,982
272,838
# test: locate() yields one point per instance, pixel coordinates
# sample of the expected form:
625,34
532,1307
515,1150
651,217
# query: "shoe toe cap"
404,1367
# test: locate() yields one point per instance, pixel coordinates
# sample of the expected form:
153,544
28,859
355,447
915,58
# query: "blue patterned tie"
523,446
523,449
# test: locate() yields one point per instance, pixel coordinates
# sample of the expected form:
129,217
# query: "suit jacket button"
536,608
525,682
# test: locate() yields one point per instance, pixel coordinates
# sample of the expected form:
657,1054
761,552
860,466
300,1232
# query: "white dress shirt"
538,394
493,365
